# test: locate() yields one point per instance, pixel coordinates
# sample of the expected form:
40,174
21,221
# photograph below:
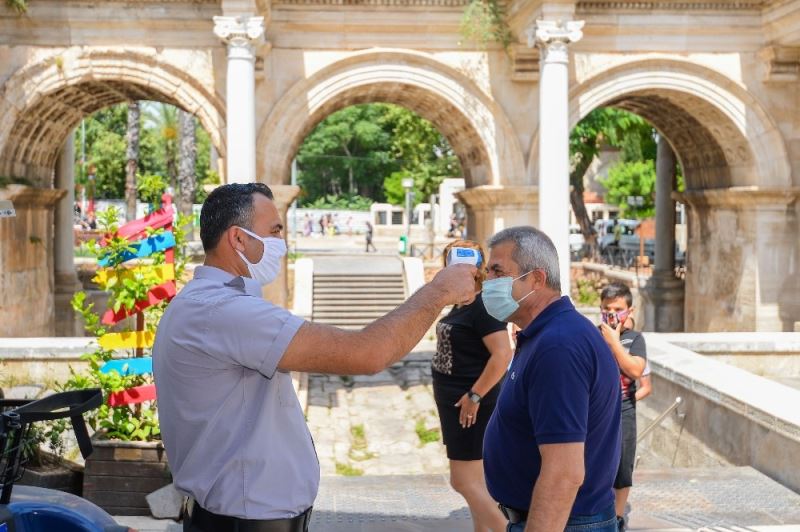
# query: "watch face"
475,398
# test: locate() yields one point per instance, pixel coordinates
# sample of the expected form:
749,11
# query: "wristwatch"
474,397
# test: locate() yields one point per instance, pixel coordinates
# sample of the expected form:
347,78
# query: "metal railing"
657,421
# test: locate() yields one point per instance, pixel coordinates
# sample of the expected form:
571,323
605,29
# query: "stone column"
243,35
491,208
552,37
278,290
664,293
66,278
27,262
743,269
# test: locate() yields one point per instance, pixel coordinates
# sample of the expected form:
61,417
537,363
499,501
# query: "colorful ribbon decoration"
141,246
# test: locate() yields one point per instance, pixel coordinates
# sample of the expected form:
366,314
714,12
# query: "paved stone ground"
369,424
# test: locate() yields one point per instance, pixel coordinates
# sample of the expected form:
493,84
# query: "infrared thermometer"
464,256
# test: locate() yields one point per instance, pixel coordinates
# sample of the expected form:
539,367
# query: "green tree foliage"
162,120
349,152
484,21
605,125
106,146
425,156
365,150
20,6
631,179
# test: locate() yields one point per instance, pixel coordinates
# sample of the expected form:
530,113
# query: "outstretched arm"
325,349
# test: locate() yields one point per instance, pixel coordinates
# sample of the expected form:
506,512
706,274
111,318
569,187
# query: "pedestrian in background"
472,353
368,237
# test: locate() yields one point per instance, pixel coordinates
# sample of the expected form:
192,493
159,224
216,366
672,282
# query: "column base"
663,298
67,321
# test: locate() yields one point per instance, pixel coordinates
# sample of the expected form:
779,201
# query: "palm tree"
164,119
132,154
187,179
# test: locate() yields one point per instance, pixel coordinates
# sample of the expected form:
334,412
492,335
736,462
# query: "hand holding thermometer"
467,256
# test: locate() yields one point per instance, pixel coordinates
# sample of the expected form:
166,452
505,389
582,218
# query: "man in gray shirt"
235,434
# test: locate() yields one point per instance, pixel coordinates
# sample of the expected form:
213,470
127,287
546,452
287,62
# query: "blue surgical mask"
497,298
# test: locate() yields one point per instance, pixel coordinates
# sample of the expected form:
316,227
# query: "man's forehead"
265,209
501,255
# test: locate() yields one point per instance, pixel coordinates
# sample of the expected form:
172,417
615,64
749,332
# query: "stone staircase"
352,301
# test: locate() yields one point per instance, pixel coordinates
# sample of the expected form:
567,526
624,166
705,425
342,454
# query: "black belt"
513,515
207,521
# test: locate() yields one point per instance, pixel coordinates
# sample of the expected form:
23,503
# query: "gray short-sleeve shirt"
235,434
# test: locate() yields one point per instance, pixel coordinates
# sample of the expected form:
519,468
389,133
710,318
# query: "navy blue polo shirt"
562,387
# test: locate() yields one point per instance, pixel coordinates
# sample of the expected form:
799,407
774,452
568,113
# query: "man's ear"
539,279
235,238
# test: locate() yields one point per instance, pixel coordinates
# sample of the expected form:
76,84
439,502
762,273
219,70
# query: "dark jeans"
605,521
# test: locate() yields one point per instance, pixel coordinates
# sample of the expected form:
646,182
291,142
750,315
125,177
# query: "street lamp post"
408,184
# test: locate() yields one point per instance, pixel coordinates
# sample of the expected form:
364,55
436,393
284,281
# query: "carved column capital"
243,35
553,36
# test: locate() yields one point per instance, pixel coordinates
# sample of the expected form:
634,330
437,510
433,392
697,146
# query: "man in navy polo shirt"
552,446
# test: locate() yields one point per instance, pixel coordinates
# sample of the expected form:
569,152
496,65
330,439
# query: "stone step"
359,282
360,307
361,277
355,314
359,290
355,323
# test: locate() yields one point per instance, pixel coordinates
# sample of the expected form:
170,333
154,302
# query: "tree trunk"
351,183
581,165
187,179
132,156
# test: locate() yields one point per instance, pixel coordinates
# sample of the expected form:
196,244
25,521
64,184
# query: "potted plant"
43,459
141,263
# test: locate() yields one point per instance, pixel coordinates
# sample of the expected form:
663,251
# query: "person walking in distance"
368,237
472,353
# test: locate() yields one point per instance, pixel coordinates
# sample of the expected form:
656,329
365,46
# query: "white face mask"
265,270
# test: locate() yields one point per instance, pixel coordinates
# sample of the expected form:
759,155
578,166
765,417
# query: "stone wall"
747,419
26,262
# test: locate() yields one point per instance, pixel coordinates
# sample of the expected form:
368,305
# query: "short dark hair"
226,206
615,290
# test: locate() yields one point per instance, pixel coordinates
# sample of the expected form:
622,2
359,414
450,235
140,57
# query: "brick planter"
66,477
119,475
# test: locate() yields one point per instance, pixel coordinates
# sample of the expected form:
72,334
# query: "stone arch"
43,101
720,133
473,123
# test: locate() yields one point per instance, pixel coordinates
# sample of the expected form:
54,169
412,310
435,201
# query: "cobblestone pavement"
379,477
372,425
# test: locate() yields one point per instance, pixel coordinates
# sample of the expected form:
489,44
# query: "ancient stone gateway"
40,105
717,79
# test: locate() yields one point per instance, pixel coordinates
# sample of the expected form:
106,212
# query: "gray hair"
533,251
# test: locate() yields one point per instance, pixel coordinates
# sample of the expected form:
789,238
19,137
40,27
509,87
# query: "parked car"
618,242
608,230
577,243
